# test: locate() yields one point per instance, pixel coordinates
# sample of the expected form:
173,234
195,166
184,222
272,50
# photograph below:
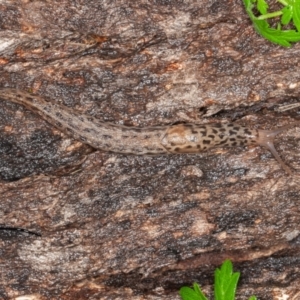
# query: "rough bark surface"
82,224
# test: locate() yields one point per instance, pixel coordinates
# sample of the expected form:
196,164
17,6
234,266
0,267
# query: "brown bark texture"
77,223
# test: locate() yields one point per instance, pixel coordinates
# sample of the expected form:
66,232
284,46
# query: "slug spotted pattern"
182,138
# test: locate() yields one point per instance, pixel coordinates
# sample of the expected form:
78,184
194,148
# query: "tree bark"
83,224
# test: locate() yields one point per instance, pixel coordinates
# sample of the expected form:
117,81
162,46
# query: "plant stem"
270,15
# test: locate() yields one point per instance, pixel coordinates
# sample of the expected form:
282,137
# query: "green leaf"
224,288
262,6
287,14
277,36
187,293
281,37
279,26
296,14
225,282
291,12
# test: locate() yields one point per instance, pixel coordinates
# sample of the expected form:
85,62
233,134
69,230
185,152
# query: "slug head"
265,138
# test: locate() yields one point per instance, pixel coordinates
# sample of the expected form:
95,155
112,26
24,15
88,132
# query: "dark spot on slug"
232,139
70,130
107,136
73,126
47,108
218,125
223,142
247,131
204,133
215,131
211,136
232,132
188,147
177,149
206,142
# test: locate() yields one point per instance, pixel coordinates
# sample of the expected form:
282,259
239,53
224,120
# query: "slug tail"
266,139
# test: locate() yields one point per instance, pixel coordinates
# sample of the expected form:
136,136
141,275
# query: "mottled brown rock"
80,224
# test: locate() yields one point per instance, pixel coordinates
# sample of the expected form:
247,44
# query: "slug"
181,138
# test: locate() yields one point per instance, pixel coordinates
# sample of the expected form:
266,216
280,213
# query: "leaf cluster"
289,15
224,287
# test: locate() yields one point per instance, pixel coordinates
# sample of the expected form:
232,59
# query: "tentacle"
266,139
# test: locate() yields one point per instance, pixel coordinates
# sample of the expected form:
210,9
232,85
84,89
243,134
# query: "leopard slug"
180,138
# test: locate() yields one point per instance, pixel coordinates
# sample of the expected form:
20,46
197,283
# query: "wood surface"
83,224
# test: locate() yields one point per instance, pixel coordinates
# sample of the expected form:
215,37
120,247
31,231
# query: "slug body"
182,138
